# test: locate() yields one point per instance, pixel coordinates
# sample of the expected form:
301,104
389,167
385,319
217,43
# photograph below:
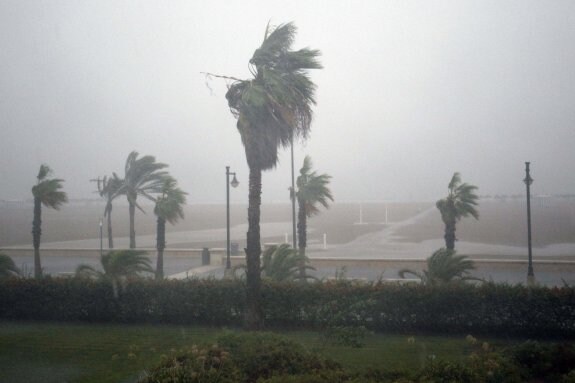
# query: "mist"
411,91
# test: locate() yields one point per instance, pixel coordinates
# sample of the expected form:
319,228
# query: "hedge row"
459,308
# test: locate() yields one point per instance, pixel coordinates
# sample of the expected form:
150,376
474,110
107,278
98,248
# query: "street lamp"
234,184
528,181
101,236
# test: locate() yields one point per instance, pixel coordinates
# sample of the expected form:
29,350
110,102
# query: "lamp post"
528,181
234,184
101,237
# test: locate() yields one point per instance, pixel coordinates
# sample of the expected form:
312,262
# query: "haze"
412,91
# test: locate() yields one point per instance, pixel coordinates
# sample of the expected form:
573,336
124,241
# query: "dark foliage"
493,309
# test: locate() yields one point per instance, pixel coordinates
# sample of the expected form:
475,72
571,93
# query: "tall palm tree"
460,202
312,190
169,207
47,192
272,108
444,266
143,177
108,189
8,268
117,267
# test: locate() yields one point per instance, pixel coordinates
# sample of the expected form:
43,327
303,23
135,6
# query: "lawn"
55,352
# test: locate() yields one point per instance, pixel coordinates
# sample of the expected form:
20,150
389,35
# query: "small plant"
444,266
8,268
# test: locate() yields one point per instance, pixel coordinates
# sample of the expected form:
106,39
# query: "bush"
248,357
492,309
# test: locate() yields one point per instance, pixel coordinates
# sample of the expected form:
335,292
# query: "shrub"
238,357
493,309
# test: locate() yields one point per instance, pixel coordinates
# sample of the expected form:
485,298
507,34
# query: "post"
386,214
101,239
228,261
294,239
324,241
528,181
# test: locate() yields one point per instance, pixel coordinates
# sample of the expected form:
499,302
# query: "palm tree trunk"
450,235
302,235
110,238
160,245
132,210
36,233
254,317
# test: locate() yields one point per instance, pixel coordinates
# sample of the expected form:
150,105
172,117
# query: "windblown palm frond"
169,205
275,105
48,190
282,263
8,268
142,177
460,202
109,188
313,188
444,266
118,267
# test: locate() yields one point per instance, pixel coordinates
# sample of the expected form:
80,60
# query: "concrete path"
387,244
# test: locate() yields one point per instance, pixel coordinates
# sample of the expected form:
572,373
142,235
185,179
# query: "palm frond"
169,205
281,263
48,190
8,268
313,188
275,106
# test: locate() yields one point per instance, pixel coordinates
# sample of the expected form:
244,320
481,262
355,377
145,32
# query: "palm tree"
8,268
46,192
444,266
169,207
142,178
460,202
108,189
282,263
272,108
312,190
117,267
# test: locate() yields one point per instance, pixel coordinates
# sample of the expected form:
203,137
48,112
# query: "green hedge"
459,308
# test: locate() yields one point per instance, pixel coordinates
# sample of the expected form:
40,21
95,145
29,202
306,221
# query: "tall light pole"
101,238
528,181
234,184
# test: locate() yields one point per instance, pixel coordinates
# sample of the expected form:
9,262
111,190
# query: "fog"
411,92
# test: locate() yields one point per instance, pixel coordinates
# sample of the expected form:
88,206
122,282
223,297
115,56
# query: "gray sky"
411,92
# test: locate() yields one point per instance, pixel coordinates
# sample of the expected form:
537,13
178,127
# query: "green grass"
55,352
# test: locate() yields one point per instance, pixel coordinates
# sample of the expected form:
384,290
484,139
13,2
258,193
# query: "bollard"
205,256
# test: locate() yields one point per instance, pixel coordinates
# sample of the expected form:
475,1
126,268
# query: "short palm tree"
143,177
444,266
460,202
312,189
47,192
8,268
118,266
109,189
169,207
272,108
282,263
